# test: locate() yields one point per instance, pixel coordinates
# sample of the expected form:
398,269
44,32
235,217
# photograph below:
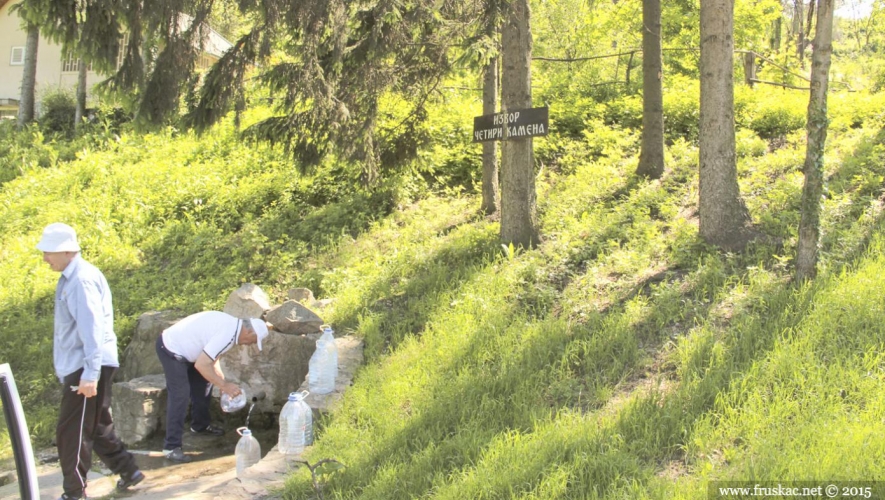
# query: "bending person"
190,351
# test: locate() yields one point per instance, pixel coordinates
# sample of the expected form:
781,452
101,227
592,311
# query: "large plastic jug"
248,451
323,366
296,425
232,404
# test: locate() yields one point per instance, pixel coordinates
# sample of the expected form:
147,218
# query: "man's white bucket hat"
58,237
260,328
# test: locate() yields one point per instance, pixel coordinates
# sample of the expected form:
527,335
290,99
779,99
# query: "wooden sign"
519,123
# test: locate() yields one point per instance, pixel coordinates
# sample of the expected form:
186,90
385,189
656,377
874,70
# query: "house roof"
213,42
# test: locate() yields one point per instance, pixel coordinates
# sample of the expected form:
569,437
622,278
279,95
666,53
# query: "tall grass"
622,358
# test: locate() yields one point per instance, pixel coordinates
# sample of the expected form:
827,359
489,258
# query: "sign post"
519,123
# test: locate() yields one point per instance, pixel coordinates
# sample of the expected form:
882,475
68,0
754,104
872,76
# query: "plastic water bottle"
231,404
248,451
323,366
296,425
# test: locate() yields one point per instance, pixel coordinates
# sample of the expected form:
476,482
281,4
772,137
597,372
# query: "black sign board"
521,123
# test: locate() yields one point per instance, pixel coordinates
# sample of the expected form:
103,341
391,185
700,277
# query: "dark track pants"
184,384
84,425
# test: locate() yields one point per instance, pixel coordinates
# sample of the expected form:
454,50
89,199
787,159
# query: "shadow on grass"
486,434
402,301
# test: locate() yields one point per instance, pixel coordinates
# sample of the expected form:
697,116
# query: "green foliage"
622,358
21,151
773,114
58,110
681,108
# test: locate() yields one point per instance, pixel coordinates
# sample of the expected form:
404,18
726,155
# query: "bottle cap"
298,396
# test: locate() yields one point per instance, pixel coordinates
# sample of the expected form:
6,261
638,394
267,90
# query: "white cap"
260,328
58,237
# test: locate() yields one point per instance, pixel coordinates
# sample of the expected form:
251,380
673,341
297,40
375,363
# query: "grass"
622,358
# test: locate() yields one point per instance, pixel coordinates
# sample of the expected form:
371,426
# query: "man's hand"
230,389
88,388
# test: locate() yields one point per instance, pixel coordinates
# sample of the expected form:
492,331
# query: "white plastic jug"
231,404
323,368
248,451
296,425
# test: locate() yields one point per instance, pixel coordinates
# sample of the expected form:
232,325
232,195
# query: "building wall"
50,74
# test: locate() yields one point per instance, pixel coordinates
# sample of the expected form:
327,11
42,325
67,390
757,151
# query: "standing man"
190,351
84,351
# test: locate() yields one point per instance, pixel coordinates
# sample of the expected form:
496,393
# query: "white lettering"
488,134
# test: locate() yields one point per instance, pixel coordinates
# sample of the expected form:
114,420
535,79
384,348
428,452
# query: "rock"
321,304
248,301
277,370
139,407
302,295
140,357
294,318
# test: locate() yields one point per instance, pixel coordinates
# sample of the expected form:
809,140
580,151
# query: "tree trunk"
809,225
490,197
28,100
724,219
80,111
519,218
749,68
774,42
651,155
799,29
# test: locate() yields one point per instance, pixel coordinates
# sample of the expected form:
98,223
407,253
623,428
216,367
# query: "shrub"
58,110
681,109
625,111
771,114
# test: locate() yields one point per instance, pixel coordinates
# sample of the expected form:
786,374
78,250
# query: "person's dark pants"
183,384
84,425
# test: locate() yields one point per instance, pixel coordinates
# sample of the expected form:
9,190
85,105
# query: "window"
121,54
70,64
17,58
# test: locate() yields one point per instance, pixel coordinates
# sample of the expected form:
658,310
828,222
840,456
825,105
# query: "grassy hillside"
623,358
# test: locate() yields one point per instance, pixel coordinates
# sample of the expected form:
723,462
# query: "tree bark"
80,111
651,155
519,218
749,68
816,129
490,194
799,27
27,104
724,219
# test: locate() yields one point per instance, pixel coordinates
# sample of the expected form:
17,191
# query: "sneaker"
127,480
176,455
65,496
210,430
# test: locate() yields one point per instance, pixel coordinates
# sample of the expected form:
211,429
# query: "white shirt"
212,332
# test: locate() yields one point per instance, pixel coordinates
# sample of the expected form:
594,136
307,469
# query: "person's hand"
88,388
231,389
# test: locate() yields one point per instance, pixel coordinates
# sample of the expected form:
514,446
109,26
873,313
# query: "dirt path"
211,475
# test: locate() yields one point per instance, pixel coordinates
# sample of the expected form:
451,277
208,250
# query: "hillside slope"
623,358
